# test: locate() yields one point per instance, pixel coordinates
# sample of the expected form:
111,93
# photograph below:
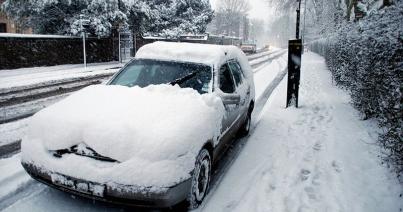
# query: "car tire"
200,179
245,128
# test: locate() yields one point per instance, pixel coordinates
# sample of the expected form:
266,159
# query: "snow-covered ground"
265,57
28,76
319,157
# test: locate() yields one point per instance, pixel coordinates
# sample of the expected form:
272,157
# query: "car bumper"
113,193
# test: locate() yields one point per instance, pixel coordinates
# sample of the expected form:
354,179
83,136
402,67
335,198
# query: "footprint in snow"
336,166
305,174
311,192
317,146
231,205
321,118
316,180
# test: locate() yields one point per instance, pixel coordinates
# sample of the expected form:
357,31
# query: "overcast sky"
259,8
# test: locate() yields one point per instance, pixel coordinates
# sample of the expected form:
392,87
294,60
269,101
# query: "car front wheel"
200,179
245,128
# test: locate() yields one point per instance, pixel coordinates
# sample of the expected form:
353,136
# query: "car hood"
159,122
154,134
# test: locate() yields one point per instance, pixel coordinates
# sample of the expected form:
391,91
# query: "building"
9,26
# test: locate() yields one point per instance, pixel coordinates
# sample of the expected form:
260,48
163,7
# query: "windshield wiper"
183,79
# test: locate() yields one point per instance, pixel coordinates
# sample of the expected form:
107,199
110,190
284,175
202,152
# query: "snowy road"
315,158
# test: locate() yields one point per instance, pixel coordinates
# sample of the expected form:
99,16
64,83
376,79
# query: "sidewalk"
319,157
35,75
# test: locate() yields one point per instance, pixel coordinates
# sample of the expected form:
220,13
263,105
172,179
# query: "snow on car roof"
208,54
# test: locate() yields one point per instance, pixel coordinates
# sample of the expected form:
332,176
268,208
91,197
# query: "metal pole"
120,56
298,19
83,35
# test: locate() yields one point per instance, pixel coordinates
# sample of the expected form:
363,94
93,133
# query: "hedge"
366,58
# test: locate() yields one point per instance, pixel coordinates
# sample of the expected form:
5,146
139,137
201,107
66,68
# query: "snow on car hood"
140,127
154,123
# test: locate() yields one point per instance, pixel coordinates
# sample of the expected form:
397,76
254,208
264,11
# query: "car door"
242,88
231,100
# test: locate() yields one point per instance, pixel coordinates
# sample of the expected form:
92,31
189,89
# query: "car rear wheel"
200,179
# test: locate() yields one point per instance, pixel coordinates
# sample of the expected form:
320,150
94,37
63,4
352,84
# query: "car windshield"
144,72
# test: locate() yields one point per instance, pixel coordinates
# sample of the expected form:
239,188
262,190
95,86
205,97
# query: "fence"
18,51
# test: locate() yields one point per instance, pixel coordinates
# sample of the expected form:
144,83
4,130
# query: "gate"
125,45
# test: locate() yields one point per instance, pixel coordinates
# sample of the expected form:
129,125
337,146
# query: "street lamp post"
298,19
294,65
82,23
119,46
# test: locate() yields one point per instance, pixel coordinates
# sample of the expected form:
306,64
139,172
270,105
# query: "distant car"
248,48
81,169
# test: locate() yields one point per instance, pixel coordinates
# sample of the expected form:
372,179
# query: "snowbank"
155,132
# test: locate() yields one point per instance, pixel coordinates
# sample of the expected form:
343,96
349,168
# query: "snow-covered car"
249,48
151,135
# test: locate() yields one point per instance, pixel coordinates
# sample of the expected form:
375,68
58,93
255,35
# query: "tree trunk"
350,6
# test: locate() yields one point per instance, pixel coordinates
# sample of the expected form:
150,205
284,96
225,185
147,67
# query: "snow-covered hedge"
366,57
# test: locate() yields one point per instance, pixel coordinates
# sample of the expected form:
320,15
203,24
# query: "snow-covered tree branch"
168,18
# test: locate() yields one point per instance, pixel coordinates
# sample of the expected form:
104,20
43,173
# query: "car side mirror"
231,99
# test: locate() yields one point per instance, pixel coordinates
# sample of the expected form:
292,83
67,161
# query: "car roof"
212,55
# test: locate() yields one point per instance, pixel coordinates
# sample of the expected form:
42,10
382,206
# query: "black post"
294,71
294,64
298,19
297,27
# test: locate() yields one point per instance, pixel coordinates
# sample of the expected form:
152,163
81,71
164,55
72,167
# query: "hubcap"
202,179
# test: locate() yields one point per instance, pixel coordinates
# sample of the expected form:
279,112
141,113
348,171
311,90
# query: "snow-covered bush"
366,57
173,18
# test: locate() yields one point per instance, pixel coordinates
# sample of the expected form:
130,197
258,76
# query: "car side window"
236,71
240,68
226,81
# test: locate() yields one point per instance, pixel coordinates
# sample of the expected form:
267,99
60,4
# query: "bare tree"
234,6
231,17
